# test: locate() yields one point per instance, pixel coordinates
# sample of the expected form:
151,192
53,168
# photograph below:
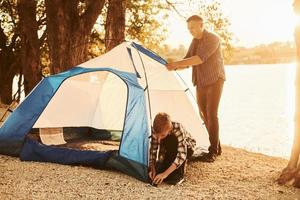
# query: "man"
292,172
208,76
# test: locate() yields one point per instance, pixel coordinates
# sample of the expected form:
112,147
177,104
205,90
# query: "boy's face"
164,133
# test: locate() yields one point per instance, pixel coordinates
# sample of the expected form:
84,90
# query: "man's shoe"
208,157
219,150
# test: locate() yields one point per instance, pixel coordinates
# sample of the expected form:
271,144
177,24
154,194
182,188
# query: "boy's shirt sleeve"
182,147
153,150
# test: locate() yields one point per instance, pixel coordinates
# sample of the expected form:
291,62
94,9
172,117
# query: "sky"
253,22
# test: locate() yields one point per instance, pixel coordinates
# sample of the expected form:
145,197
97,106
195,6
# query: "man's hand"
159,178
171,66
185,63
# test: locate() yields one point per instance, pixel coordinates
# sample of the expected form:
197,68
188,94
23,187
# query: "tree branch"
94,8
170,4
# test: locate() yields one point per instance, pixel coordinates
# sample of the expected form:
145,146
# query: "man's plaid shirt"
185,142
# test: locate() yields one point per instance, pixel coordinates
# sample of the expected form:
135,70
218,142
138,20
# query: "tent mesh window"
82,138
87,113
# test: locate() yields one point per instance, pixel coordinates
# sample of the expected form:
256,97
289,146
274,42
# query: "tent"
116,93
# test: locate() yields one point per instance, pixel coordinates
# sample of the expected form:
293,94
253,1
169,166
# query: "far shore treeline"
277,52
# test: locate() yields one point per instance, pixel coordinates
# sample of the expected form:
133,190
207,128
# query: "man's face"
195,28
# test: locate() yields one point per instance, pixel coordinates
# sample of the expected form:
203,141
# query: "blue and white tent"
122,91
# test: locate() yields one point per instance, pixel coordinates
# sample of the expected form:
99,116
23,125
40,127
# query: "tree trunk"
115,24
6,80
8,67
30,54
68,31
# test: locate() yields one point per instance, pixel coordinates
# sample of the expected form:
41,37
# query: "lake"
256,109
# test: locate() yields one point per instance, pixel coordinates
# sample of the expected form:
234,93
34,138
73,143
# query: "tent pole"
146,79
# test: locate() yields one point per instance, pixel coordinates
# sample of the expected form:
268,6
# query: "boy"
174,146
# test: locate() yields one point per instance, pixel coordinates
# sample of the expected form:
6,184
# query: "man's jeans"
208,99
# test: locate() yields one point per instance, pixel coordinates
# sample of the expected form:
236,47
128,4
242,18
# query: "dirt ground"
237,174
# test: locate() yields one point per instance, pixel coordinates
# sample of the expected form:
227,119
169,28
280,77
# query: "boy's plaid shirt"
185,142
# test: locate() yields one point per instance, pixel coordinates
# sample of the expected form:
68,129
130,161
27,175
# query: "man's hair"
161,122
194,18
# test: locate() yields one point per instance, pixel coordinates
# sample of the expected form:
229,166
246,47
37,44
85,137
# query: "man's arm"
181,64
210,46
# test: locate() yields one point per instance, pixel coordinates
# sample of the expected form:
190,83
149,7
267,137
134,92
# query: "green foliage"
145,22
9,23
218,23
96,44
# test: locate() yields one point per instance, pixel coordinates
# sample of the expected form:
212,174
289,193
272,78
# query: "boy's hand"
159,178
152,174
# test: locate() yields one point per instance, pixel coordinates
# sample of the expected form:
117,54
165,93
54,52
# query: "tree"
29,29
21,50
9,48
30,45
115,23
69,25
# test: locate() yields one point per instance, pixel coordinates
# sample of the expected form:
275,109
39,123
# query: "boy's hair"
161,122
194,18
